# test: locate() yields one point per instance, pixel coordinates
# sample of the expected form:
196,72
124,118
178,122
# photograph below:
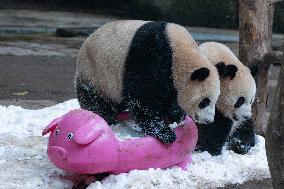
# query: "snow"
126,131
24,162
130,130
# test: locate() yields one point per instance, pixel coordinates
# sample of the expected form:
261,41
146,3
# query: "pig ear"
88,133
51,126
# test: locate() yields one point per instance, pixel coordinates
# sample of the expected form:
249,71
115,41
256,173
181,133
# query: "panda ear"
253,70
200,74
221,67
231,70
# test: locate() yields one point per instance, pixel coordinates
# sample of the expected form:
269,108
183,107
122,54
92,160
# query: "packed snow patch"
24,163
205,172
22,123
128,130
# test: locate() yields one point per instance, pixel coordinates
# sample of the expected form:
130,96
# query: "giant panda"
154,70
232,120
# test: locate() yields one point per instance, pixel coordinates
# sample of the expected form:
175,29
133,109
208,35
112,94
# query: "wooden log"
255,25
271,2
275,136
256,20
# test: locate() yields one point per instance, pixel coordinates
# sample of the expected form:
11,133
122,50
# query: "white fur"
242,85
188,58
207,114
102,56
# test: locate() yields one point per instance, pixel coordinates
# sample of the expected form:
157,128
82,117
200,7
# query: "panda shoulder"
179,35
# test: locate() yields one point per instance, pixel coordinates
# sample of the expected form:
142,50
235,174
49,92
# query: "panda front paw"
167,136
175,114
160,131
243,138
238,146
214,151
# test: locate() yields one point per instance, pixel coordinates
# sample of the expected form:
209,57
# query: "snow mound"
206,171
22,123
24,163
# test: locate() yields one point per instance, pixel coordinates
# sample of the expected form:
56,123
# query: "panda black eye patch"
201,74
240,102
231,70
221,67
204,103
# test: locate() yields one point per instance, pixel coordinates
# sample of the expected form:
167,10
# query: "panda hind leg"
89,99
150,120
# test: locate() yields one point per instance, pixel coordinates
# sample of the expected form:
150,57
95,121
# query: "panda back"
102,57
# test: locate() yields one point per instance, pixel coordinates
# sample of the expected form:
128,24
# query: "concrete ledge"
28,104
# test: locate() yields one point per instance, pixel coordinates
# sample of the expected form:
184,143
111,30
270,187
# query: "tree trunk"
256,20
275,136
255,25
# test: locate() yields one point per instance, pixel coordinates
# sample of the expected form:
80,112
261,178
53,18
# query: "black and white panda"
233,109
152,69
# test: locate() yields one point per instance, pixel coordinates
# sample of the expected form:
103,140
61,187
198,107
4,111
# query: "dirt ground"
37,78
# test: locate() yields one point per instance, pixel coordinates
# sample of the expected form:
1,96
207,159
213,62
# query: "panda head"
238,86
195,78
237,94
200,92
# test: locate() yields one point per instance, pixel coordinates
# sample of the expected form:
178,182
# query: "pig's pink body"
93,147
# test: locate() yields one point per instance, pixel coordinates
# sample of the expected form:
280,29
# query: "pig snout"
58,152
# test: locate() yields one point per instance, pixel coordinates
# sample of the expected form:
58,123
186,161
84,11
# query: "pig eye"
56,132
70,136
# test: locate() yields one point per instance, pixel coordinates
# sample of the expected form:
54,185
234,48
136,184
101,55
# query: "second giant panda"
233,121
152,69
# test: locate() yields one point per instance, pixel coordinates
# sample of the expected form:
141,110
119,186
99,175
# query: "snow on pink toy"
82,142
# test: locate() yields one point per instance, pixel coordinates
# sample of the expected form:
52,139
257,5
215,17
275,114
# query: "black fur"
212,137
90,99
231,70
253,70
148,90
221,67
243,138
200,74
239,102
174,113
204,103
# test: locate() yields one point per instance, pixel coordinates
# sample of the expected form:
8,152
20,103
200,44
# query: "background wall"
205,13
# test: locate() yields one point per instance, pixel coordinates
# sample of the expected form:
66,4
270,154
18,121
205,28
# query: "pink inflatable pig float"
82,142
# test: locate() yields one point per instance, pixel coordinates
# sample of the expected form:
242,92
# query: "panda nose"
246,117
235,118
